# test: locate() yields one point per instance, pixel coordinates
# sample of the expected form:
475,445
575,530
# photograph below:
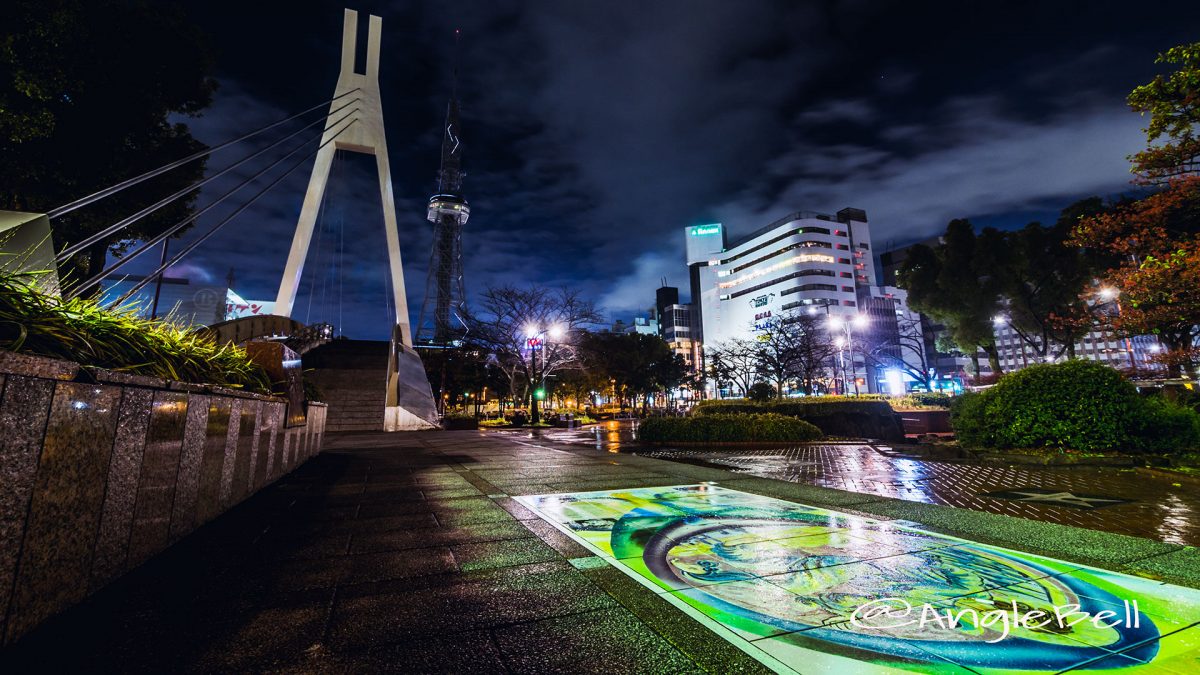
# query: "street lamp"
1109,294
537,338
859,321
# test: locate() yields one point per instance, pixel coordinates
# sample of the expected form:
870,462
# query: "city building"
799,261
803,262
176,300
675,324
641,324
1134,353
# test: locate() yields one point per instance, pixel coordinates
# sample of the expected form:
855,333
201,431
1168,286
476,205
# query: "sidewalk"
408,553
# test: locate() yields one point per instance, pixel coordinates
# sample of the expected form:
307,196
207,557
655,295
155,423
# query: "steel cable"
129,220
192,246
130,182
95,279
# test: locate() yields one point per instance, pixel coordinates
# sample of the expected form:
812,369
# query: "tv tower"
448,211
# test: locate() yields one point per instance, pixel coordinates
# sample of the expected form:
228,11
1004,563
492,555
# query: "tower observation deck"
441,321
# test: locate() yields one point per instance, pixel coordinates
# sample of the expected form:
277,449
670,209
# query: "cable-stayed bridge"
350,121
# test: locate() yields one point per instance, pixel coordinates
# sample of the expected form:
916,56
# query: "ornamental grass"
82,331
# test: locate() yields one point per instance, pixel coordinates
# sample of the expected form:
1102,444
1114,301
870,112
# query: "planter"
918,422
105,471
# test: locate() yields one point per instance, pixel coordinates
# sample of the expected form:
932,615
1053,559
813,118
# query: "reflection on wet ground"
612,436
1122,501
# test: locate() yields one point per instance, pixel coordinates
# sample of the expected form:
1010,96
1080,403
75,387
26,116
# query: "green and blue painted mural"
812,590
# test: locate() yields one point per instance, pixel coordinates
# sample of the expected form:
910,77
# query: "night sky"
595,131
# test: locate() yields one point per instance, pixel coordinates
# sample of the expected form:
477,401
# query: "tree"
87,94
737,361
955,285
795,346
1155,241
813,349
531,333
637,364
1042,279
761,391
905,351
1158,273
776,354
1173,103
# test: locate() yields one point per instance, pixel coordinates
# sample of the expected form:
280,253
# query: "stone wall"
100,471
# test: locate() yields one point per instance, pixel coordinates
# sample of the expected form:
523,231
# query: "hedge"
727,428
858,417
1077,405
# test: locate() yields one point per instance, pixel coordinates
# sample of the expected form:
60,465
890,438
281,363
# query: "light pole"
860,322
1110,295
537,338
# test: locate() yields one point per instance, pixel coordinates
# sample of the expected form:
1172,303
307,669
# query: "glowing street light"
837,323
538,338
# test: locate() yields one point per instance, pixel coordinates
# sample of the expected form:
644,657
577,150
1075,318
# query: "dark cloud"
595,131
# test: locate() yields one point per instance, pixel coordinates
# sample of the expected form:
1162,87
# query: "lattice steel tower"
445,293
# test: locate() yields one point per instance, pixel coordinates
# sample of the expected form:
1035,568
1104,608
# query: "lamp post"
860,322
1108,294
537,338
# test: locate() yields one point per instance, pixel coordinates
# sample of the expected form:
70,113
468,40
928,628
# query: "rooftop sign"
701,230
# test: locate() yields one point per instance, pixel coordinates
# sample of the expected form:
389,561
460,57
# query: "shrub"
1164,426
761,391
726,428
933,399
82,331
1080,405
858,417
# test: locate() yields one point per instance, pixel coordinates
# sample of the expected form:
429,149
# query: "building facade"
803,263
800,261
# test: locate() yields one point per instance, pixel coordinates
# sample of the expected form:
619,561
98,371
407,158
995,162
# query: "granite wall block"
247,445
187,484
24,409
160,468
66,504
124,473
216,437
266,443
231,438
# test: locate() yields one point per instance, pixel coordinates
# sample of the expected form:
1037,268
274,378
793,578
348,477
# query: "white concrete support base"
396,418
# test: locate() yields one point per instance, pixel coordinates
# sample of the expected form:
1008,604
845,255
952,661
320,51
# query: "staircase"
352,376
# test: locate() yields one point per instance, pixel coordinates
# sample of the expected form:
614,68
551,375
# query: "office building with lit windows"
803,261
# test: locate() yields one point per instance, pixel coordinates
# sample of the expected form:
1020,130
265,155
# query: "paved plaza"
1123,501
482,552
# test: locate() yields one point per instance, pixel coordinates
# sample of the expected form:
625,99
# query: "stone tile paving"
789,584
378,558
414,553
1142,505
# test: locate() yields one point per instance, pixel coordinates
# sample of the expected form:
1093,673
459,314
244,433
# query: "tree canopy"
89,94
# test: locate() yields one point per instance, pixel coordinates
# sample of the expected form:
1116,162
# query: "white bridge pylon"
364,134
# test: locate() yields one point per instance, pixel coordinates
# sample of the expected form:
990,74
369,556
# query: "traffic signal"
539,394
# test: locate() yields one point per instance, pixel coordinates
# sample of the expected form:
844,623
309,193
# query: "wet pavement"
468,552
1122,501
